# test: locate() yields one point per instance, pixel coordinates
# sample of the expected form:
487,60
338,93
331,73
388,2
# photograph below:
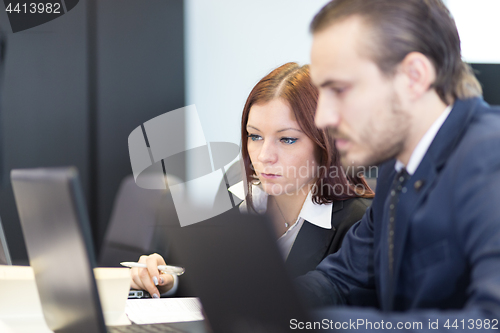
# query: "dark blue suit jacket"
447,236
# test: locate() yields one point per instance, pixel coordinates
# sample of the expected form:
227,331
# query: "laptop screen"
236,269
55,226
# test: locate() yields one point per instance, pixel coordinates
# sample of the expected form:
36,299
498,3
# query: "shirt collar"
424,144
319,215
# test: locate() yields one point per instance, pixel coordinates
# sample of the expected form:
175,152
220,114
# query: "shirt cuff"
172,290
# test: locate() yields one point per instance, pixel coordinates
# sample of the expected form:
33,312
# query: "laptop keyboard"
149,328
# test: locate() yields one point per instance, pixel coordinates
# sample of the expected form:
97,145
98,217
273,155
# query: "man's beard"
382,144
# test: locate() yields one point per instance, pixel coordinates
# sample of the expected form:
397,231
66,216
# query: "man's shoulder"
481,142
485,124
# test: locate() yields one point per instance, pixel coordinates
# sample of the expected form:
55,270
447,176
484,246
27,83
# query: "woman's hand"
150,279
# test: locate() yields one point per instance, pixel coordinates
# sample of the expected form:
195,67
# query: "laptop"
234,266
58,240
4,250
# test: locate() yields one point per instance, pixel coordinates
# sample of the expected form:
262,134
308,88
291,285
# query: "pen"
163,268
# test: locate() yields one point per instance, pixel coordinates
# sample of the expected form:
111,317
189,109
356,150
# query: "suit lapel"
421,182
407,203
385,278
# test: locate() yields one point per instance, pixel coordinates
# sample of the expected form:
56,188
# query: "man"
395,93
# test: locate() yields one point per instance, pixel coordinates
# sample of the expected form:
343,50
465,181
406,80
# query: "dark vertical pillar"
140,61
92,135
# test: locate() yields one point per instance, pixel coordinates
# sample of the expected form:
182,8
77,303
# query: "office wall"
478,25
230,45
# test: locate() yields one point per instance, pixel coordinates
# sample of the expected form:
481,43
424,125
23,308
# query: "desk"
21,310
35,323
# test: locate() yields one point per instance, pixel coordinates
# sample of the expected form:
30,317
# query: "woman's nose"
268,153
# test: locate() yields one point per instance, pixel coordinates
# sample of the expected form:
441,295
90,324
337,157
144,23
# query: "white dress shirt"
319,215
424,144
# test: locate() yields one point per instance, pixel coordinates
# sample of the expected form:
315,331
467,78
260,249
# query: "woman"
292,172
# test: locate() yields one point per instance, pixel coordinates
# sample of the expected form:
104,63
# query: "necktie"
396,189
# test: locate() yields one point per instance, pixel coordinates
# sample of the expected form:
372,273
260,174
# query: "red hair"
292,83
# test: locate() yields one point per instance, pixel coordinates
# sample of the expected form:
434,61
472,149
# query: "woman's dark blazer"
314,243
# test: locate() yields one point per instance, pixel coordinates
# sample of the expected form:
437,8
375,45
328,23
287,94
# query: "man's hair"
398,27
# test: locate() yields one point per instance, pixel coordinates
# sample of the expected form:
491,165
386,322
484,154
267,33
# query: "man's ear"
420,74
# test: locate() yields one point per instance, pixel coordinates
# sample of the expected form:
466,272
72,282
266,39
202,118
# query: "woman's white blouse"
319,215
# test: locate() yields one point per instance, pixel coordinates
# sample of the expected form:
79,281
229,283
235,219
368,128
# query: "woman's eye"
254,137
289,141
338,90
